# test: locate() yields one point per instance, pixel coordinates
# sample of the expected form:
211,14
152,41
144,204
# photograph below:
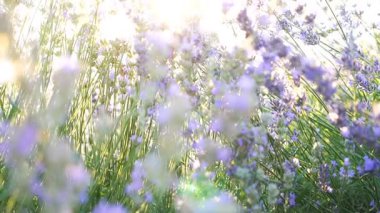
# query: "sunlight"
171,13
177,15
117,27
8,73
210,16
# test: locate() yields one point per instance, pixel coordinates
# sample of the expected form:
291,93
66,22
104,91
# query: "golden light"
4,44
7,71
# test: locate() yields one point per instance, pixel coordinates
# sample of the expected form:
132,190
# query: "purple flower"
134,187
137,176
235,102
345,131
218,88
216,125
376,131
246,83
138,171
313,73
295,136
317,75
148,197
278,47
218,103
372,204
26,140
285,24
245,22
164,115
36,188
347,162
224,154
193,125
4,127
136,139
104,207
289,167
369,164
296,74
280,201
346,173
77,175
290,116
309,37
151,111
362,80
324,178
133,137
292,199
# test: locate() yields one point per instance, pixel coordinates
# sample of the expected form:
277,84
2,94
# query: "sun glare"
7,71
177,15
117,26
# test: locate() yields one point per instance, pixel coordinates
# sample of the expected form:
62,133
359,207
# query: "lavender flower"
292,199
104,207
245,22
138,175
309,37
370,165
324,178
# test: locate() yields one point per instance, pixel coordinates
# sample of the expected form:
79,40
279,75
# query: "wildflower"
246,84
290,116
370,164
309,37
245,22
237,103
148,197
346,162
138,174
224,154
345,132
292,199
104,207
278,47
20,144
309,19
26,140
324,178
112,74
372,204
133,138
362,80
285,25
134,186
294,137
217,125
346,173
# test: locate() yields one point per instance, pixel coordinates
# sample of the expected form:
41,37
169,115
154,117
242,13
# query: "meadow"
115,106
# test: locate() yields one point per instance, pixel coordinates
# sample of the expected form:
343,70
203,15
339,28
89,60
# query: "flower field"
189,106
